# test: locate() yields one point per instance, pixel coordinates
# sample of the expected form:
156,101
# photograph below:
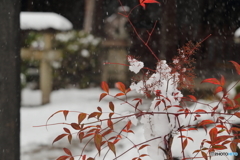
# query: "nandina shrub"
167,119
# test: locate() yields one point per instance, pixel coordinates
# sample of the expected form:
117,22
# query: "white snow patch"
44,20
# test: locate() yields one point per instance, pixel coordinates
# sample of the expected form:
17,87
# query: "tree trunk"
169,39
9,80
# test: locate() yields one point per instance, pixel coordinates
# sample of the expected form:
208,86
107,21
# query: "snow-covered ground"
36,142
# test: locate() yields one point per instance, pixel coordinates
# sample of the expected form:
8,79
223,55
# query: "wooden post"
46,71
88,18
45,57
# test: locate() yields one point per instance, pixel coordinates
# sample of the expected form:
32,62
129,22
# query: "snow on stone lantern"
115,45
46,23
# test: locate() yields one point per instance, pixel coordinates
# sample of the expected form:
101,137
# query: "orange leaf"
67,151
98,141
59,137
237,66
112,147
120,86
102,96
211,80
90,158
81,117
143,146
213,133
104,86
111,106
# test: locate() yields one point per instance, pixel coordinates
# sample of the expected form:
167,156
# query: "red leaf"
100,109
110,115
84,157
65,113
63,158
67,151
233,147
192,98
219,147
185,142
205,122
218,89
143,155
120,86
221,138
128,125
75,126
200,110
66,130
90,158
204,155
110,124
190,129
98,141
143,146
213,133
237,114
102,96
107,132
81,136
237,66
119,94
70,138
111,106
211,80
94,114
104,86
112,147
81,117
222,80
59,137
143,2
